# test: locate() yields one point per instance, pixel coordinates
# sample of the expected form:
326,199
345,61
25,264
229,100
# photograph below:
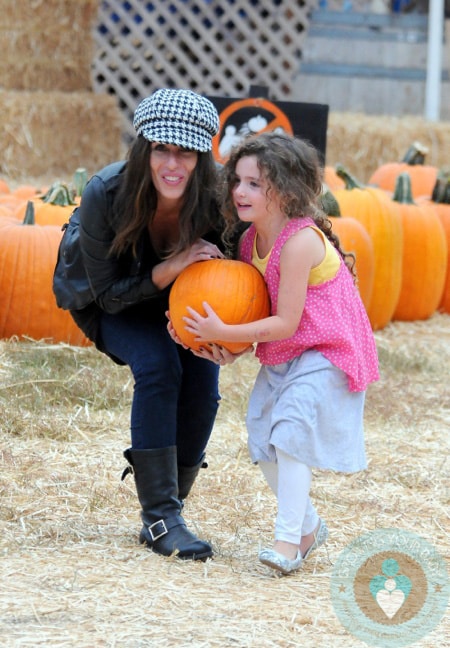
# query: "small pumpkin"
27,305
374,209
424,256
355,239
423,176
234,289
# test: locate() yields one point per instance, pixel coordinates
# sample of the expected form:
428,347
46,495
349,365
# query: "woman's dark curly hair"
136,201
293,170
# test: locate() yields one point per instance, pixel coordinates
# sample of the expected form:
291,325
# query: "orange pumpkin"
27,305
11,202
424,256
4,211
331,178
423,176
234,289
26,192
379,215
4,186
354,238
440,201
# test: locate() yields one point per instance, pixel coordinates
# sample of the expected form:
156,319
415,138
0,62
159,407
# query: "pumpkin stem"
415,154
59,194
79,180
350,181
29,214
403,192
441,190
329,204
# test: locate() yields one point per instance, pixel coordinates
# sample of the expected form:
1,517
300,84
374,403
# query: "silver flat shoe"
282,564
320,536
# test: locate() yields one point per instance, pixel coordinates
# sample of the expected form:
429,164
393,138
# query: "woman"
141,223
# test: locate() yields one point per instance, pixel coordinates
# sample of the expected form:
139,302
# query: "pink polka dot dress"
308,398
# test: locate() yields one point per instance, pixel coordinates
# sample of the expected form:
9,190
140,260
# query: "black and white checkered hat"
179,117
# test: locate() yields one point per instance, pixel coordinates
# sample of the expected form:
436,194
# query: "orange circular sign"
229,134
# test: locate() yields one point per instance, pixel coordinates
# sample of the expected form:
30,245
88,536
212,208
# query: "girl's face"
171,167
250,191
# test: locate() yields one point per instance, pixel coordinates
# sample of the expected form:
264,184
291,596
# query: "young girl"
316,348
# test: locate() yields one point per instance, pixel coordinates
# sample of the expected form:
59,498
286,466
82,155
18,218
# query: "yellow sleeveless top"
326,269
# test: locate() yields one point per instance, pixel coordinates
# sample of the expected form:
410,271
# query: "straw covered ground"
72,571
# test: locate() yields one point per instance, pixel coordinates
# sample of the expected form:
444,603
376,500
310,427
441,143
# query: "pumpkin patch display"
424,256
234,289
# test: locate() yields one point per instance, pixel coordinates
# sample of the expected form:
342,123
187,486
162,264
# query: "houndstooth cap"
179,117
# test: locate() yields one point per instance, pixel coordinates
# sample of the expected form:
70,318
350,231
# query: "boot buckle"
160,530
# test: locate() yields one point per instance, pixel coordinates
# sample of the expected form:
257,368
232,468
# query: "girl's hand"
205,329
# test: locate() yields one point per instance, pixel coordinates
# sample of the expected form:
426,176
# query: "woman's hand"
168,270
219,354
172,333
201,250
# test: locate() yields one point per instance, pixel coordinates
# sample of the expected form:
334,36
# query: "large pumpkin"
234,289
355,239
423,176
424,256
374,209
27,305
441,203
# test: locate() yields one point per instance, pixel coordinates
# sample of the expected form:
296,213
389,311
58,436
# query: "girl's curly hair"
293,170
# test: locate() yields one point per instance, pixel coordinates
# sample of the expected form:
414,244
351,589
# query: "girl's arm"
300,253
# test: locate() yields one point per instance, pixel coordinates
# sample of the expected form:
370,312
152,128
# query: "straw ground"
72,571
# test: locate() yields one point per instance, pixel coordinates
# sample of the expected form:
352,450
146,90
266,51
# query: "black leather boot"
187,476
164,531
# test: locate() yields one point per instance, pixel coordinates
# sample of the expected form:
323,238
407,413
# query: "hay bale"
40,73
363,142
45,134
48,45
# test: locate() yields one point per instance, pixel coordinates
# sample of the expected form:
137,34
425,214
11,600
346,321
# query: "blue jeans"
176,395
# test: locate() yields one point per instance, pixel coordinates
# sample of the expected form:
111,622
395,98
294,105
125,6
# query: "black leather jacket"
117,282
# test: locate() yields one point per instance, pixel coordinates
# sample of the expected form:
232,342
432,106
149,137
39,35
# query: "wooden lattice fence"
215,47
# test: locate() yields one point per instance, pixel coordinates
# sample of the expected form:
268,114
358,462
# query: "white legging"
290,480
